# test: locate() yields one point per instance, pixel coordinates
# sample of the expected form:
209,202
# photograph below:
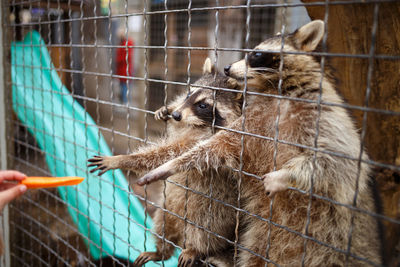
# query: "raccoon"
193,115
296,227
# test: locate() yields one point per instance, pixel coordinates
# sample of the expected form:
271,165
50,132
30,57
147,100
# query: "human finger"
11,175
10,194
6,186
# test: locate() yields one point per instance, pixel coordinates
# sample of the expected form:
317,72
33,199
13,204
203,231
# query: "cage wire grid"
168,52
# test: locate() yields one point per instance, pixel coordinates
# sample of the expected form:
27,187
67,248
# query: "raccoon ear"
308,37
208,67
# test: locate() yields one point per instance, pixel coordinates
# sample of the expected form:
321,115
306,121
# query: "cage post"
5,258
140,90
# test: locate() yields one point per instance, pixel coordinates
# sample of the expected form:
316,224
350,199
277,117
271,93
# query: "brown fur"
199,211
334,177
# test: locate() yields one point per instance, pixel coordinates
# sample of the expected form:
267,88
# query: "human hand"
10,191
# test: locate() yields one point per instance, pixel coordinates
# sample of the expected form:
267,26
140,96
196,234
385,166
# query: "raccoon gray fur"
334,177
192,115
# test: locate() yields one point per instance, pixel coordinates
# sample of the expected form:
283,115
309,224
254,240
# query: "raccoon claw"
162,114
141,261
102,170
97,168
95,159
188,258
145,257
276,181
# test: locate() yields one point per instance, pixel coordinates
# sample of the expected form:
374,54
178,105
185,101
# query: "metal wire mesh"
163,46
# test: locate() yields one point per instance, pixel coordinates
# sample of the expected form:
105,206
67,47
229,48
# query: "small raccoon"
280,237
192,115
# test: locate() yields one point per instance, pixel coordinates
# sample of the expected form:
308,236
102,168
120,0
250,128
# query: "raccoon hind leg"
188,258
145,257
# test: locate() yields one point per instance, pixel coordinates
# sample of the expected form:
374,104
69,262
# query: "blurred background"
122,60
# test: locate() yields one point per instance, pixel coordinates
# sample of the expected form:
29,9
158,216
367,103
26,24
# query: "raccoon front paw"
160,173
162,114
102,164
276,181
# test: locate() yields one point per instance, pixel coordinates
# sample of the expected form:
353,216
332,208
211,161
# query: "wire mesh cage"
283,172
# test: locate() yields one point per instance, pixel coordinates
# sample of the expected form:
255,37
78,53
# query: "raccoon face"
198,108
262,70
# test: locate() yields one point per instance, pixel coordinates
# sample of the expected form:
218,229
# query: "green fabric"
100,207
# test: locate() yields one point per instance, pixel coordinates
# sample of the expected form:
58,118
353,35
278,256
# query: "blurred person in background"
124,64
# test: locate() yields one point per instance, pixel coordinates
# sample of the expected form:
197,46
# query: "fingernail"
23,188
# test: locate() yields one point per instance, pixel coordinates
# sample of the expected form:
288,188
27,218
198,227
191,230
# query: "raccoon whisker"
272,84
240,79
265,69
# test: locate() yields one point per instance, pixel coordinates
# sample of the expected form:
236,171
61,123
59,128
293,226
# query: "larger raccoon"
193,117
295,231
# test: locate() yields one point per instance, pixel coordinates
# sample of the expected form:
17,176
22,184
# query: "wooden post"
349,32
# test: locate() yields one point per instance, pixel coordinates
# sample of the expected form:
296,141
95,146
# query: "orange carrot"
44,182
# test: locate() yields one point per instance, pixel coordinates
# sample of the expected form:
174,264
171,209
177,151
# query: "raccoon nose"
176,115
226,69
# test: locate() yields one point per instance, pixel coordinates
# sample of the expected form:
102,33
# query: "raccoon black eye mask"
263,60
205,112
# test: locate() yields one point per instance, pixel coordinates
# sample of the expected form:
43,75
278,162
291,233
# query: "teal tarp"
110,219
